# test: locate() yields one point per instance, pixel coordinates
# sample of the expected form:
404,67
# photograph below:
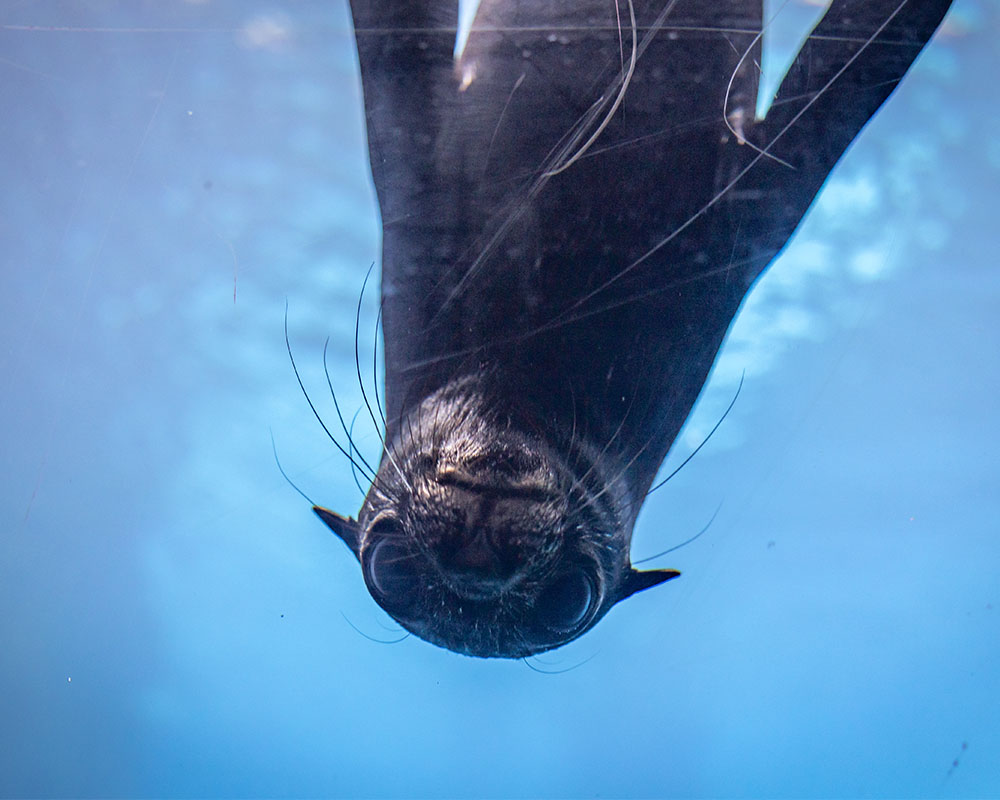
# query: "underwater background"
174,621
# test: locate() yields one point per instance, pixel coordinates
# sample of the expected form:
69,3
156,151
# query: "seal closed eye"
391,578
565,603
572,214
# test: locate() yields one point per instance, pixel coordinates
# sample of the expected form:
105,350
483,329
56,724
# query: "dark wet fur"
572,216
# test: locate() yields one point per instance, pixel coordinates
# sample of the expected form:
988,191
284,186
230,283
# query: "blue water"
173,619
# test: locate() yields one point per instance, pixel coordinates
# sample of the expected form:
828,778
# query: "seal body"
573,210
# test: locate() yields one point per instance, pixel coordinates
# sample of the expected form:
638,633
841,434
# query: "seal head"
487,540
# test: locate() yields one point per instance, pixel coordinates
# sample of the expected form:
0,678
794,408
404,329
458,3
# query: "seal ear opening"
345,527
637,580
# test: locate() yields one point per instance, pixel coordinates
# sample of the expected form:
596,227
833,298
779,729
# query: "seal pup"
573,210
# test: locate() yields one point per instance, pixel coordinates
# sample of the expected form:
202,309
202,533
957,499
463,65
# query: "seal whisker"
621,40
370,474
686,542
378,403
704,441
607,445
541,671
496,129
357,356
401,559
350,442
631,462
661,133
625,81
305,394
274,449
358,630
361,383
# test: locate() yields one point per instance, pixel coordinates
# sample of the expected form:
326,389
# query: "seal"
573,209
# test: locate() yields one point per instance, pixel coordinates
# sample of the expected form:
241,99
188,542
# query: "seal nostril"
474,555
479,559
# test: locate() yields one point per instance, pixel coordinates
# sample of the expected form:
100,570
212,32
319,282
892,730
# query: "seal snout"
488,552
497,508
485,546
479,561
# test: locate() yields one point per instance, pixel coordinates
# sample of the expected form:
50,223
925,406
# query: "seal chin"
515,625
502,638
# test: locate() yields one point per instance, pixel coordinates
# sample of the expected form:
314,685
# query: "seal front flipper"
345,527
638,580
